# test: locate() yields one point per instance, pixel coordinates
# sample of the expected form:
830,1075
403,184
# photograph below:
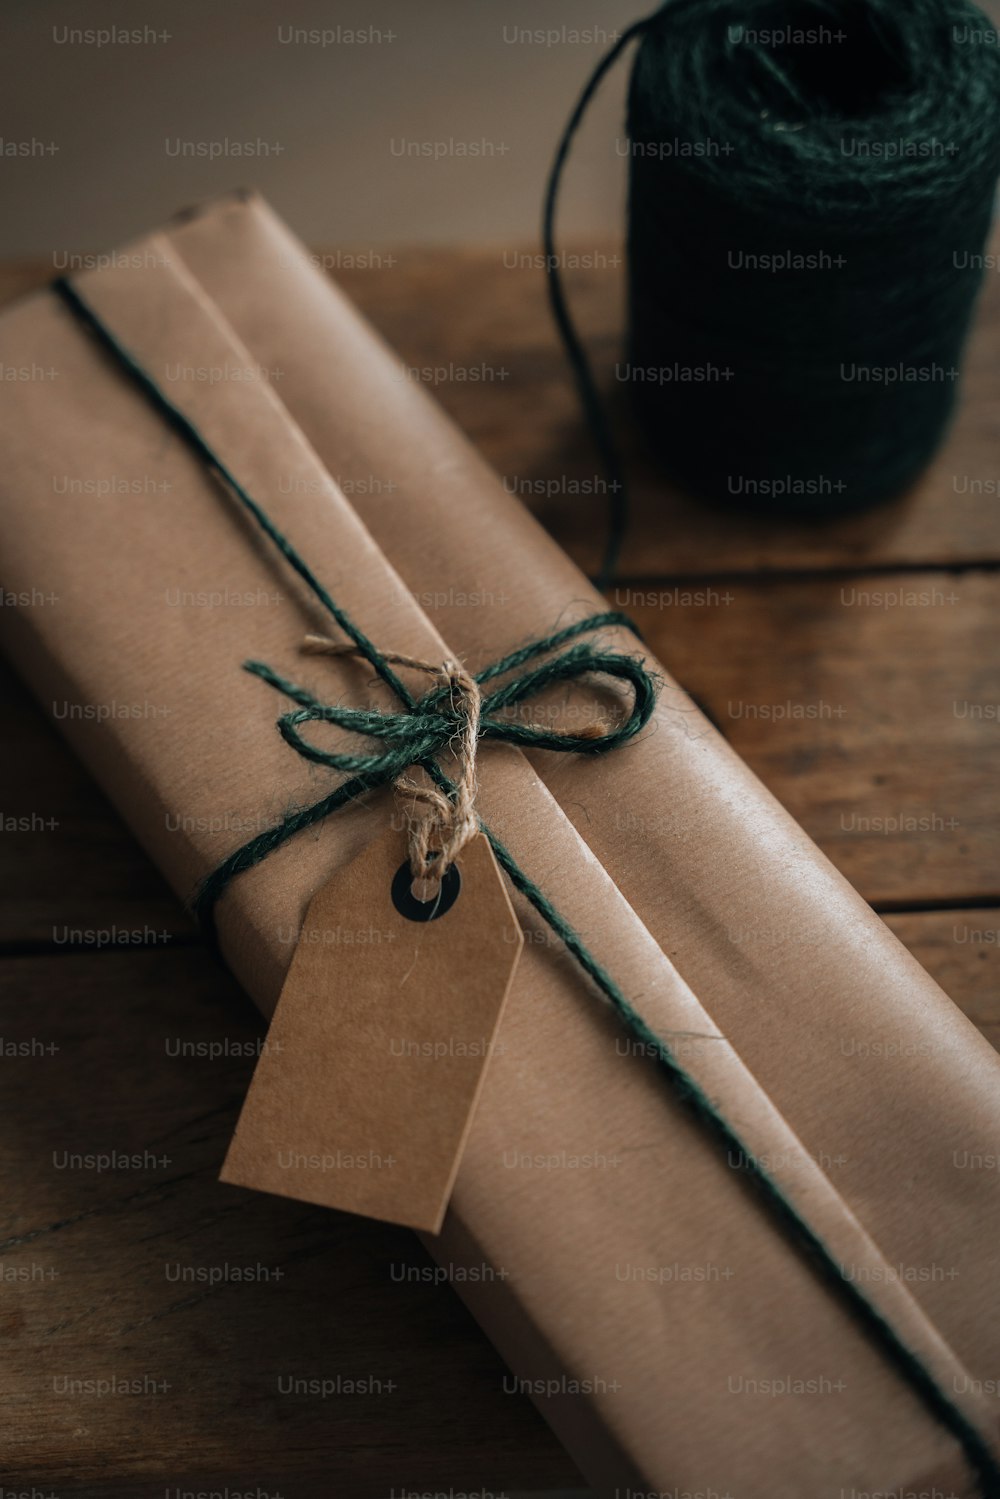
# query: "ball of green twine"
811,186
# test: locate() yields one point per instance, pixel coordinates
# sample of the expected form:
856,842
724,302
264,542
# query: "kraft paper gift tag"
365,1093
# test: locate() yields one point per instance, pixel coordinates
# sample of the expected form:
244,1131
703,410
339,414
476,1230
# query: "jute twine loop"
440,826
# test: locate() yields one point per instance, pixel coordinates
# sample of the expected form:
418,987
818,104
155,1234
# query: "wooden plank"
68,865
156,1272
488,307
870,706
87,870
875,724
961,949
526,421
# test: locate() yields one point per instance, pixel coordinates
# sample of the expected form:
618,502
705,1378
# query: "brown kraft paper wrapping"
667,1385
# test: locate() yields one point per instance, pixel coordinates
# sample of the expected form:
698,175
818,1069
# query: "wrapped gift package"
667,1323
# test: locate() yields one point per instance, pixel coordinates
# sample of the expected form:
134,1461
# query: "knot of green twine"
426,726
419,734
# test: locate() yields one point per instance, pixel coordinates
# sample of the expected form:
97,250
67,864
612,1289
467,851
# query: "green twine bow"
424,729
424,720
415,737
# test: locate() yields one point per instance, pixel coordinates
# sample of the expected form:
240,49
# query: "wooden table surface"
885,626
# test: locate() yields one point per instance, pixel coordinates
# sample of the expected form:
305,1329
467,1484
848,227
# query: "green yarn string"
416,736
810,192
590,398
419,734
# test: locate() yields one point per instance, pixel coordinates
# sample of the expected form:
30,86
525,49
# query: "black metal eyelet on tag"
406,902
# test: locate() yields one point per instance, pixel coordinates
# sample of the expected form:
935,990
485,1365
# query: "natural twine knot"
440,825
451,718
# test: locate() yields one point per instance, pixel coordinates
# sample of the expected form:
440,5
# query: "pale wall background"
450,71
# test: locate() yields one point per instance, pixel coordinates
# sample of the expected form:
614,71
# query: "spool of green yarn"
810,191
